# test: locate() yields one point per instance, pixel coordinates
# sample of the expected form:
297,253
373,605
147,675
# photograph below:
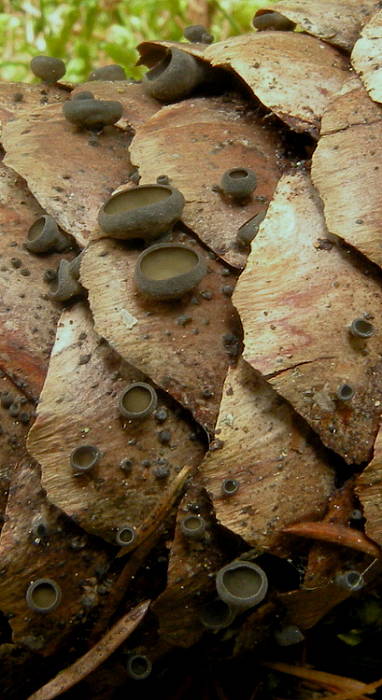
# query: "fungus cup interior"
192,523
238,174
126,535
84,457
133,199
159,67
36,229
215,614
136,399
165,263
242,582
44,595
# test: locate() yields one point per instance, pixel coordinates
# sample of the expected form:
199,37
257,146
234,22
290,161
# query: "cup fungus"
174,77
197,34
241,584
47,68
361,328
84,458
137,401
350,580
229,487
45,236
193,526
248,231
238,182
345,392
92,114
216,615
145,211
43,595
169,270
289,635
273,20
84,95
67,285
125,536
138,667
112,72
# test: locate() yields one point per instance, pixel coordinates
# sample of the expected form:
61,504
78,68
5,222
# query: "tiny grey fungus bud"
229,487
345,392
350,580
361,328
125,536
138,667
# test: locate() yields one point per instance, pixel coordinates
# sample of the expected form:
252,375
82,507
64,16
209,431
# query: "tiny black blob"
91,113
112,72
273,20
197,34
48,68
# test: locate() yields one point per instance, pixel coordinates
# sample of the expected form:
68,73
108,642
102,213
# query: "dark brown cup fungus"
84,95
216,615
241,584
138,401
138,667
43,595
248,231
197,34
345,392
289,635
92,114
145,211
112,72
47,68
361,328
350,580
169,270
238,182
84,458
125,536
174,77
45,236
273,20
193,526
229,487
67,285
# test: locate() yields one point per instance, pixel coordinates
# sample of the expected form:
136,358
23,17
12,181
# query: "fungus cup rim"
150,408
43,582
170,287
78,467
242,602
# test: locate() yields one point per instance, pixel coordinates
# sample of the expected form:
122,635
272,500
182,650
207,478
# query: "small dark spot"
6,399
183,320
16,263
359,221
25,272
227,290
84,359
18,97
126,465
146,463
82,336
216,445
161,415
49,275
14,409
206,294
24,417
164,437
207,393
162,471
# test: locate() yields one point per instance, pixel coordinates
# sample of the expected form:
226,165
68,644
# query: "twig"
336,534
350,685
94,657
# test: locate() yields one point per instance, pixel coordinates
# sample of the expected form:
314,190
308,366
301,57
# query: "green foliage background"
91,33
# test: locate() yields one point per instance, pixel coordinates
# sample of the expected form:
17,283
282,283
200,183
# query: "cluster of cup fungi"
164,271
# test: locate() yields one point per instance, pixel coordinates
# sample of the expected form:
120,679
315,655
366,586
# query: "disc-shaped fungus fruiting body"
193,526
345,392
145,211
288,635
43,595
138,401
197,34
84,458
229,487
47,68
45,236
83,95
174,77
238,182
138,667
217,615
273,20
361,328
66,286
125,536
241,584
248,231
92,114
169,270
350,580
112,72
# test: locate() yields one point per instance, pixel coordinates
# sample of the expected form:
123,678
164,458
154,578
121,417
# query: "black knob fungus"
92,114
43,595
169,270
138,667
241,584
138,401
197,34
84,458
47,68
112,72
174,77
273,20
145,211
44,236
238,182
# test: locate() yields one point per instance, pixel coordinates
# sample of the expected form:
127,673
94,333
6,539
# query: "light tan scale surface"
369,491
367,56
70,171
337,22
194,142
297,298
79,406
28,318
66,555
179,344
291,73
137,106
282,477
18,99
347,171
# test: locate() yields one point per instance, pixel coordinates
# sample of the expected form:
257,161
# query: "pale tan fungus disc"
79,406
297,298
194,142
367,56
347,171
265,447
70,171
291,73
